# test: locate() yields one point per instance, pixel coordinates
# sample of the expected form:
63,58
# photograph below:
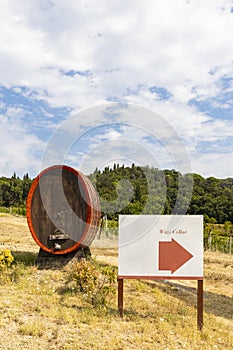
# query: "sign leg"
120,296
200,304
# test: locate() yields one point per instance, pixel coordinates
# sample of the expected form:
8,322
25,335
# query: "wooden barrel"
63,210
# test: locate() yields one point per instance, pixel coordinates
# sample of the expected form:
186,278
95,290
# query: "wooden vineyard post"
230,243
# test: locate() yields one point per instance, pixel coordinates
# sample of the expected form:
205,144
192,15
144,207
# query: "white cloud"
19,150
173,45
119,50
112,135
214,164
137,135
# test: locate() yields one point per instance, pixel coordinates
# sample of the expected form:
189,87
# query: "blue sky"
83,83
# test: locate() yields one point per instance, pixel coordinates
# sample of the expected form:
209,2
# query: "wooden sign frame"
199,298
161,247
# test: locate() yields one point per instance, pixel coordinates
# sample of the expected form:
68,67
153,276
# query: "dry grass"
36,314
14,234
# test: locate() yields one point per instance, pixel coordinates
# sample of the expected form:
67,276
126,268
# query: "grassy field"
36,313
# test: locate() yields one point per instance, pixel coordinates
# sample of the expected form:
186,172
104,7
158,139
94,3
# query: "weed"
25,258
6,259
33,328
92,281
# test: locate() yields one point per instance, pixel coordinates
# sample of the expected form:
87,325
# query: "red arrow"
172,255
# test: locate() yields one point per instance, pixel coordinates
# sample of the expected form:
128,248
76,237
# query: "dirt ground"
15,235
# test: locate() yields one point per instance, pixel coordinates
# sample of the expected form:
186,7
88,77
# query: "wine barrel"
63,210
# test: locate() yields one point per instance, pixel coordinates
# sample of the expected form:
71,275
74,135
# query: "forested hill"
154,191
14,191
135,190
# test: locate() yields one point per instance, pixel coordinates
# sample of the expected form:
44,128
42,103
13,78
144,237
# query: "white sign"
169,246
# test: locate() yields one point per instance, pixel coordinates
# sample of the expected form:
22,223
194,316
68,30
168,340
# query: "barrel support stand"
49,260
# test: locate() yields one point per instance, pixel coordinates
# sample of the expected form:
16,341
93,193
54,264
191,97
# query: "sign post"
161,247
120,296
199,304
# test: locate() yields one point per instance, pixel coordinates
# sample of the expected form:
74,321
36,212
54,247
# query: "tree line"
14,191
147,190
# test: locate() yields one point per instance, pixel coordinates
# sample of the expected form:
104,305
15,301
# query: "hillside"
135,190
37,313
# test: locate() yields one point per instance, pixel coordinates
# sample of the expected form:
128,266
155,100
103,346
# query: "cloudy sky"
90,83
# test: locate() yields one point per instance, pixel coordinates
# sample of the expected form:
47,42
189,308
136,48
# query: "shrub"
6,259
95,283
